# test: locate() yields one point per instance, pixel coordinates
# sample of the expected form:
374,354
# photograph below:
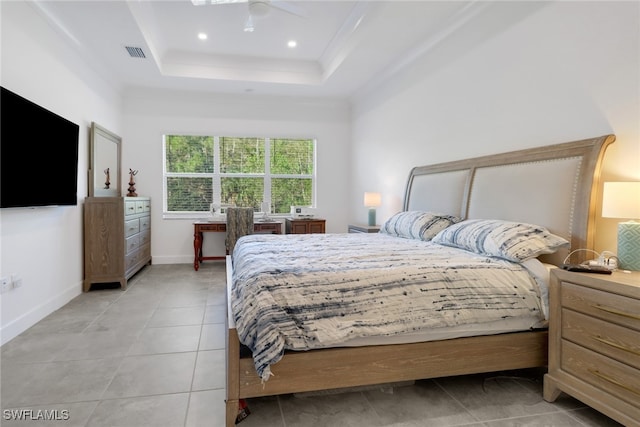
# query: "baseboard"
33,316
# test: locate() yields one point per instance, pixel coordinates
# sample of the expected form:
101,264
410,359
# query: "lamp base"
372,216
629,245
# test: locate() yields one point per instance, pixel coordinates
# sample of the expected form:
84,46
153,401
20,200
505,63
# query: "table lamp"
622,200
372,201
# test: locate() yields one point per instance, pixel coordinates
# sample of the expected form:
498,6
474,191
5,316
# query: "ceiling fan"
257,8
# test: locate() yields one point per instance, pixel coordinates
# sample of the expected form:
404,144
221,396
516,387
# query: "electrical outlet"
5,284
16,280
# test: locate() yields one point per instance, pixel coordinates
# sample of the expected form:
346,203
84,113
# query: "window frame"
216,176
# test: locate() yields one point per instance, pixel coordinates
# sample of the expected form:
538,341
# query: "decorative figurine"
107,182
132,183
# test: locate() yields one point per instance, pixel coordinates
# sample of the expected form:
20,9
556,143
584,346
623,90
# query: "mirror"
104,165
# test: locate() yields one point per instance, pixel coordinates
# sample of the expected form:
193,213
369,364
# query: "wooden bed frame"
555,186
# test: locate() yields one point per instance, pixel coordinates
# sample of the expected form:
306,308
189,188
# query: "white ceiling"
344,47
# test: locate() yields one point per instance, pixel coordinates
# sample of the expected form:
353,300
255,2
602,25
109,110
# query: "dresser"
304,226
594,342
117,239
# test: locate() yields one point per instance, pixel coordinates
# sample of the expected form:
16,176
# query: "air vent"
135,52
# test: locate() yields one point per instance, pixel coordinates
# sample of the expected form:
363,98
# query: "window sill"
192,216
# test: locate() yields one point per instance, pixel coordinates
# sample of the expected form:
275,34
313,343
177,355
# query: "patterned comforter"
307,291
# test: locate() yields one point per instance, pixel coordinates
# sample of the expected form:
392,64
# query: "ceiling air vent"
135,52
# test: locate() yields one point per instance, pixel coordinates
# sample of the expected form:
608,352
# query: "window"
232,171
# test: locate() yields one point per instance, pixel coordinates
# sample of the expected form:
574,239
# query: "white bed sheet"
282,256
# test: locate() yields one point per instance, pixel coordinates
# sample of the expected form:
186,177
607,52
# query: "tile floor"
153,355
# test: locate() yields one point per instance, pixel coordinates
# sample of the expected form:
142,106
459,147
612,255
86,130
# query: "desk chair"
239,223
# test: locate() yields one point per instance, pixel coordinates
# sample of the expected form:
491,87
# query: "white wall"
568,71
44,245
151,114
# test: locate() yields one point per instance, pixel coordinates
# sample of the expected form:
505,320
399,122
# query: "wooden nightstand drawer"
617,379
603,305
620,343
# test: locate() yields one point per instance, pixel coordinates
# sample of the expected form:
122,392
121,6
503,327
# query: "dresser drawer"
145,251
617,379
145,223
140,206
131,227
129,208
132,243
144,237
132,259
603,305
617,342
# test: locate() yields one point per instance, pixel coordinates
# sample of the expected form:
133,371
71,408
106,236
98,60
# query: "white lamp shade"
372,200
621,200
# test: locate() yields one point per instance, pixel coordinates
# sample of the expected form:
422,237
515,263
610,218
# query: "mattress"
301,292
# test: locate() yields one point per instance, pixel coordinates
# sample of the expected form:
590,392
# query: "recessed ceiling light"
292,43
202,36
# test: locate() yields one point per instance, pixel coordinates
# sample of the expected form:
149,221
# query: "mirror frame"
101,137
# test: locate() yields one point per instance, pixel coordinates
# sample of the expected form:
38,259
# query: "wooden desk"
200,227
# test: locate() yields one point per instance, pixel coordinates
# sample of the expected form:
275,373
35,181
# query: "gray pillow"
417,224
513,241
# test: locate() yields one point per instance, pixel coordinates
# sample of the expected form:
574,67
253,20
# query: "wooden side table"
361,228
594,342
304,225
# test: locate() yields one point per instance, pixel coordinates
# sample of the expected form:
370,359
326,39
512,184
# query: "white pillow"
513,241
417,224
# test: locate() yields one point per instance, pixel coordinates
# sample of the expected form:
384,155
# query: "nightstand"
304,226
594,342
360,228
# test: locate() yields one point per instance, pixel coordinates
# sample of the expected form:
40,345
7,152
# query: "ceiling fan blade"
289,7
214,2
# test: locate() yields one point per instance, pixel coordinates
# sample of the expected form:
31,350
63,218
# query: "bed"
554,187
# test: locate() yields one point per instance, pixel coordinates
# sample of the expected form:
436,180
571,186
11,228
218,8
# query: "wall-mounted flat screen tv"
38,155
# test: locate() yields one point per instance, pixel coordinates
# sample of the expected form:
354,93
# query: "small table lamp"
372,201
622,200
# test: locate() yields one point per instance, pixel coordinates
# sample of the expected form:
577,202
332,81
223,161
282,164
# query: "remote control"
582,268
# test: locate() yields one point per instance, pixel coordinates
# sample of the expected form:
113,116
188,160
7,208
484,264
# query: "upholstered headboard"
554,186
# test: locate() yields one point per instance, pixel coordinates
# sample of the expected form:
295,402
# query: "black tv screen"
38,155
